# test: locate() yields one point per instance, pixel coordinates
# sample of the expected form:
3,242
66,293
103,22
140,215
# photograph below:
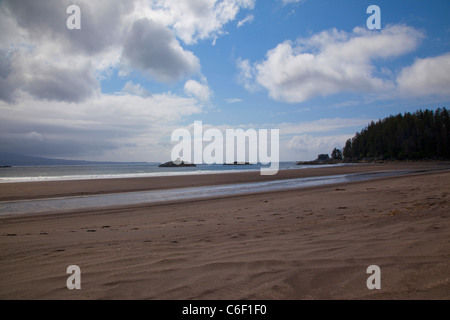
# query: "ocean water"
51,173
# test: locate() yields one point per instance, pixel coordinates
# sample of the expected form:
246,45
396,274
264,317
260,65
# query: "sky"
116,89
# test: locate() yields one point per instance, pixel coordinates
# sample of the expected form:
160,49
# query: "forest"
422,135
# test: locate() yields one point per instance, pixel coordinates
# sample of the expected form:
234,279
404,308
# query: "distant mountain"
12,159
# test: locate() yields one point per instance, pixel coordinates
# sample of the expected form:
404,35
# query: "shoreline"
67,188
60,205
313,243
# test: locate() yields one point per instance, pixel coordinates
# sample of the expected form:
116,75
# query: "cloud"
429,76
194,20
322,125
198,90
247,74
8,81
45,20
62,84
305,140
285,2
153,48
233,100
247,19
72,80
316,145
51,96
327,63
39,56
102,125
135,89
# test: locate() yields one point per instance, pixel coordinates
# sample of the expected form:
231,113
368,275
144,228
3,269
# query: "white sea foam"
68,173
113,176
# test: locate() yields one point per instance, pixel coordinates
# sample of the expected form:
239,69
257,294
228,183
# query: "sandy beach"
311,243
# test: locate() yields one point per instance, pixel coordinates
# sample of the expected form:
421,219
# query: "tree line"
424,134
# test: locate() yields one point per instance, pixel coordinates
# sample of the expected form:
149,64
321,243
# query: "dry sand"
313,243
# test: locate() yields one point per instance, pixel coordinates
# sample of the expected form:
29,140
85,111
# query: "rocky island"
177,163
237,163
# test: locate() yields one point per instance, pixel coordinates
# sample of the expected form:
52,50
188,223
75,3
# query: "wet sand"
312,243
49,189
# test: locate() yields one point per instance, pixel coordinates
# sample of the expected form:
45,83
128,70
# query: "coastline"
63,188
312,243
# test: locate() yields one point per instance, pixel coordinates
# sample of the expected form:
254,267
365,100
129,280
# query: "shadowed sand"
313,243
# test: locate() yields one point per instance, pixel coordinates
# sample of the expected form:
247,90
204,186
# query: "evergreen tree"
347,152
323,157
421,135
336,154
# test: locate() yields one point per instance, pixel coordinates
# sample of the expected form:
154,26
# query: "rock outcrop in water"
177,163
237,163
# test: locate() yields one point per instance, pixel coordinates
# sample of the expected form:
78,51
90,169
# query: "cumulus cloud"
45,20
32,73
51,96
429,76
62,84
198,90
328,62
41,57
135,89
195,20
153,48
